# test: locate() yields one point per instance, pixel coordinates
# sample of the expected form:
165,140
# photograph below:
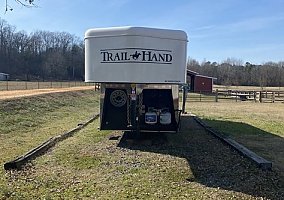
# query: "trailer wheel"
118,98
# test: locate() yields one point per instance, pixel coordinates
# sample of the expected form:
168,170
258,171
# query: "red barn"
199,83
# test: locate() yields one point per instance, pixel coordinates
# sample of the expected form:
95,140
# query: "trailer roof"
137,31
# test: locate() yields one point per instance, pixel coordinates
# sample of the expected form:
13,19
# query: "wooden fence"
29,85
236,95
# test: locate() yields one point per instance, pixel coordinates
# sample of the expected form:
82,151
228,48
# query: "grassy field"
258,126
27,122
90,165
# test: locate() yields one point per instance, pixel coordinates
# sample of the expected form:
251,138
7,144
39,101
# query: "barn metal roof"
193,73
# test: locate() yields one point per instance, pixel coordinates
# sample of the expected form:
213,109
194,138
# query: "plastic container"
151,118
165,118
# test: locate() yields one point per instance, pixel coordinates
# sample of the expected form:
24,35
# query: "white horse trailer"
139,70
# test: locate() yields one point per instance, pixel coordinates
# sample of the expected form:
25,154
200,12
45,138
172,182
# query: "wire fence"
30,85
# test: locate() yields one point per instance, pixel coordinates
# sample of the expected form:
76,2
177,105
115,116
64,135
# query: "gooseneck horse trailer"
140,70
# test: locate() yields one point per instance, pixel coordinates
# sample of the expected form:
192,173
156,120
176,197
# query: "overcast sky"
249,30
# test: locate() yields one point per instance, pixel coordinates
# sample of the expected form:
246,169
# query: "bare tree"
25,3
41,54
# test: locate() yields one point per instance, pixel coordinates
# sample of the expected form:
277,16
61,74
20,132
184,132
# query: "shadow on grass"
212,163
268,145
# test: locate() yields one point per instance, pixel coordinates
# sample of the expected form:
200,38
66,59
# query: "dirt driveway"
24,93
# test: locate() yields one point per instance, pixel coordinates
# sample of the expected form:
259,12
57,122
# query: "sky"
246,30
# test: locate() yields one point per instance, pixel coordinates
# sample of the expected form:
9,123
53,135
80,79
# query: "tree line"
234,72
45,55
40,55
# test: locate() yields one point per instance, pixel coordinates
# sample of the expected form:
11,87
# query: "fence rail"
29,85
236,95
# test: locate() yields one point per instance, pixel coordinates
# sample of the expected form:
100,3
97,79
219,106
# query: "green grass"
90,166
258,126
27,122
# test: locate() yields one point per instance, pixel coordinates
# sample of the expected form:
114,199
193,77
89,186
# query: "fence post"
273,97
37,84
216,95
7,85
236,95
260,96
183,99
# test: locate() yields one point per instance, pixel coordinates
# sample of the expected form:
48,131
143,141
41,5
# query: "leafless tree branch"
25,3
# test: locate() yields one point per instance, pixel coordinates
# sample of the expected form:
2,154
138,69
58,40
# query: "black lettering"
109,56
104,55
161,57
169,58
116,57
124,56
154,57
145,55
